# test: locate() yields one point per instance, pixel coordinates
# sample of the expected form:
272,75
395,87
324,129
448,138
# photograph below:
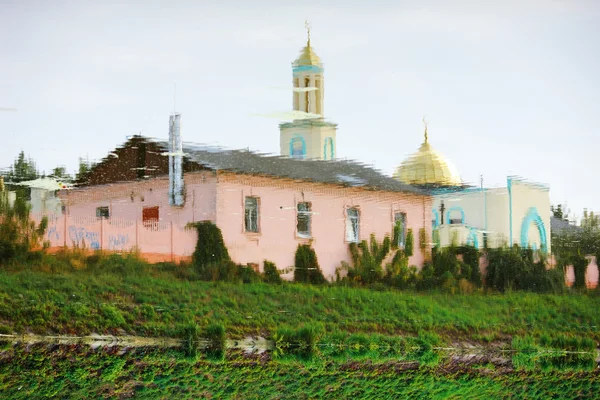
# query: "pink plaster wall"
221,200
277,240
591,274
124,230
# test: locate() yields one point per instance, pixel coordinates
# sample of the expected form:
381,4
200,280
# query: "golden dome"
427,167
307,56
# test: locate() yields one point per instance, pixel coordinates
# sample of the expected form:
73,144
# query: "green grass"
78,373
333,341
160,300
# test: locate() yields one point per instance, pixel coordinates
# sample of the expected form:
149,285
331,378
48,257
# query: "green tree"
18,233
60,173
559,212
85,166
23,169
306,266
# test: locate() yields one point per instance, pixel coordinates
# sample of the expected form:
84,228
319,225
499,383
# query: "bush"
18,233
271,273
580,264
306,266
409,247
210,248
515,268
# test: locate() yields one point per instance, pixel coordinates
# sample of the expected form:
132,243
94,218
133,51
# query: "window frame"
349,219
402,237
246,230
308,215
100,211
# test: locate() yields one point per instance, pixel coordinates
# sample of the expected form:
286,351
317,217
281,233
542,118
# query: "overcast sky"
508,87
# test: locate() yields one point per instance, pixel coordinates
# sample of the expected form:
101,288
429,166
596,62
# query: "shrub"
515,268
18,233
580,264
247,274
409,247
306,266
210,247
469,268
271,273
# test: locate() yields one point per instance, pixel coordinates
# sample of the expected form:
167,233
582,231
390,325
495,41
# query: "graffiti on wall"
117,242
80,235
53,233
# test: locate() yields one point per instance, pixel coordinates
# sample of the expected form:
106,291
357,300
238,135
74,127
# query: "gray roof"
341,172
559,225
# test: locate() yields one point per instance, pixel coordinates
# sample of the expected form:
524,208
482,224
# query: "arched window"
298,147
328,149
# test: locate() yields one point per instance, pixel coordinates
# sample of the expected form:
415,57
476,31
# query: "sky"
508,87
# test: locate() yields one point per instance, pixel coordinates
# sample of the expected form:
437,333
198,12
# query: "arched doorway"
533,217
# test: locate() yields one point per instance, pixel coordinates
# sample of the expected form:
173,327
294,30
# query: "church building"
482,217
145,194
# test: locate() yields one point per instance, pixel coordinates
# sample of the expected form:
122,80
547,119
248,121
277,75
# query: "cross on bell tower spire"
307,26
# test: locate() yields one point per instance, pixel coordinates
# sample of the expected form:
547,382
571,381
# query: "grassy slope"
155,302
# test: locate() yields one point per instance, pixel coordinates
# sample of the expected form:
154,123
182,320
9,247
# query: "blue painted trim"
437,218
510,218
307,68
329,140
456,208
294,140
473,239
533,216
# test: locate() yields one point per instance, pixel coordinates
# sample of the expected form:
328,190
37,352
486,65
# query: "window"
297,147
352,224
102,212
251,214
150,217
304,216
306,95
328,149
400,226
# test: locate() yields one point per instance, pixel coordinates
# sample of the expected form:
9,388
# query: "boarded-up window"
352,224
251,214
150,217
102,212
304,217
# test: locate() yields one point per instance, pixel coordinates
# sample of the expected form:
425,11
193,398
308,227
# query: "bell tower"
309,136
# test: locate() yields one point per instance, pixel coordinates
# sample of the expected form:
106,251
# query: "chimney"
176,197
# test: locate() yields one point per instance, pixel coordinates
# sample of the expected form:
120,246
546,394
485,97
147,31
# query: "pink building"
265,206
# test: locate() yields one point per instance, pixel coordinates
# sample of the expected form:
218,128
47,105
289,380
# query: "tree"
22,169
85,166
60,173
18,233
560,212
590,220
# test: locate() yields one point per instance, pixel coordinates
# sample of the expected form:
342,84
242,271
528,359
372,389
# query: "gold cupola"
427,167
307,56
